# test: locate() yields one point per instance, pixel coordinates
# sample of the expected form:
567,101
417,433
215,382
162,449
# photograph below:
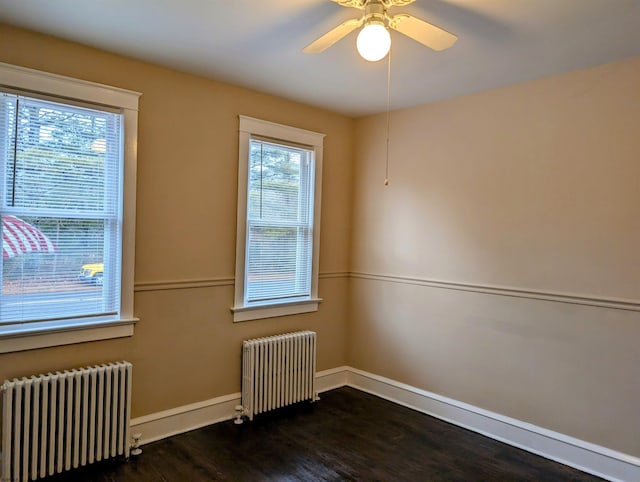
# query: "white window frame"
250,127
27,336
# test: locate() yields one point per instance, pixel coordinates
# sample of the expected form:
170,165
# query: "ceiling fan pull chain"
386,174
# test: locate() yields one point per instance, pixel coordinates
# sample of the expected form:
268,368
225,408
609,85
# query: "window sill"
43,335
257,312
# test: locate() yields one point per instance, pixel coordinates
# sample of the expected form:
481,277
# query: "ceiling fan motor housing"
375,12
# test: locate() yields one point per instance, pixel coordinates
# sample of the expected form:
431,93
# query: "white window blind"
280,202
61,205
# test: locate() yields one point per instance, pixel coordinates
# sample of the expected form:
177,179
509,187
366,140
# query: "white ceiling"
258,43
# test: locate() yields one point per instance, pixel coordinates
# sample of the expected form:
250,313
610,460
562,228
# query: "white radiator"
56,422
278,371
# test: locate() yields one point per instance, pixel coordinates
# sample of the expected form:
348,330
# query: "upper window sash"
11,201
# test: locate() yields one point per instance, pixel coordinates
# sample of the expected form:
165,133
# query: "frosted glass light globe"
373,41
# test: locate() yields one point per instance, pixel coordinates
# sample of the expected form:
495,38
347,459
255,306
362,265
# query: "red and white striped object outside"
20,237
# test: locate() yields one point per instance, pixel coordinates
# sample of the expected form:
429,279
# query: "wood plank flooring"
347,435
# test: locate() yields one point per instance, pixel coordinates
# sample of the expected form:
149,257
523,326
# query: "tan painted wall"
534,186
186,347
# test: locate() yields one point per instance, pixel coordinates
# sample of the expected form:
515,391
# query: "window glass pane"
42,273
279,262
274,183
61,223
59,158
280,222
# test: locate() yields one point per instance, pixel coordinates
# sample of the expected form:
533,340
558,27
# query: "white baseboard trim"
594,459
167,423
334,378
182,419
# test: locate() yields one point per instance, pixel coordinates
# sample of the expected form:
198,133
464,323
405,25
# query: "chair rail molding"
511,291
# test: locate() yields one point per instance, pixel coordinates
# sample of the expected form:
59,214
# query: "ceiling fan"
374,40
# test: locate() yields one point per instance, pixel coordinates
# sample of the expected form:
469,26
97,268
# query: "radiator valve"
135,444
239,413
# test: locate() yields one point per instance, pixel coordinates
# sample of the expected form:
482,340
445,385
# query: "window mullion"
59,213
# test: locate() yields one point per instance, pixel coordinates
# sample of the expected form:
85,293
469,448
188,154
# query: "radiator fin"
278,371
59,421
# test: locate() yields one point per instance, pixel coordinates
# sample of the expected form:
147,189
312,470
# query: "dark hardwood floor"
348,435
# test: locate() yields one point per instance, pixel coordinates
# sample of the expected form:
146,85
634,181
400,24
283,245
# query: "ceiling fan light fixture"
373,41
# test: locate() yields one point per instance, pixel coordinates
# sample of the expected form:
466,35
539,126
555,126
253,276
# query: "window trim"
251,127
29,81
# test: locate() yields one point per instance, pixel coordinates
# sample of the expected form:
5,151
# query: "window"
279,182
63,164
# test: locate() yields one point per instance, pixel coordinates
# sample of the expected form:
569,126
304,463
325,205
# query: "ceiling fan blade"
399,3
423,32
331,37
352,3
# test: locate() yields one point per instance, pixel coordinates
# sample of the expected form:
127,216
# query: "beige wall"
186,347
534,187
